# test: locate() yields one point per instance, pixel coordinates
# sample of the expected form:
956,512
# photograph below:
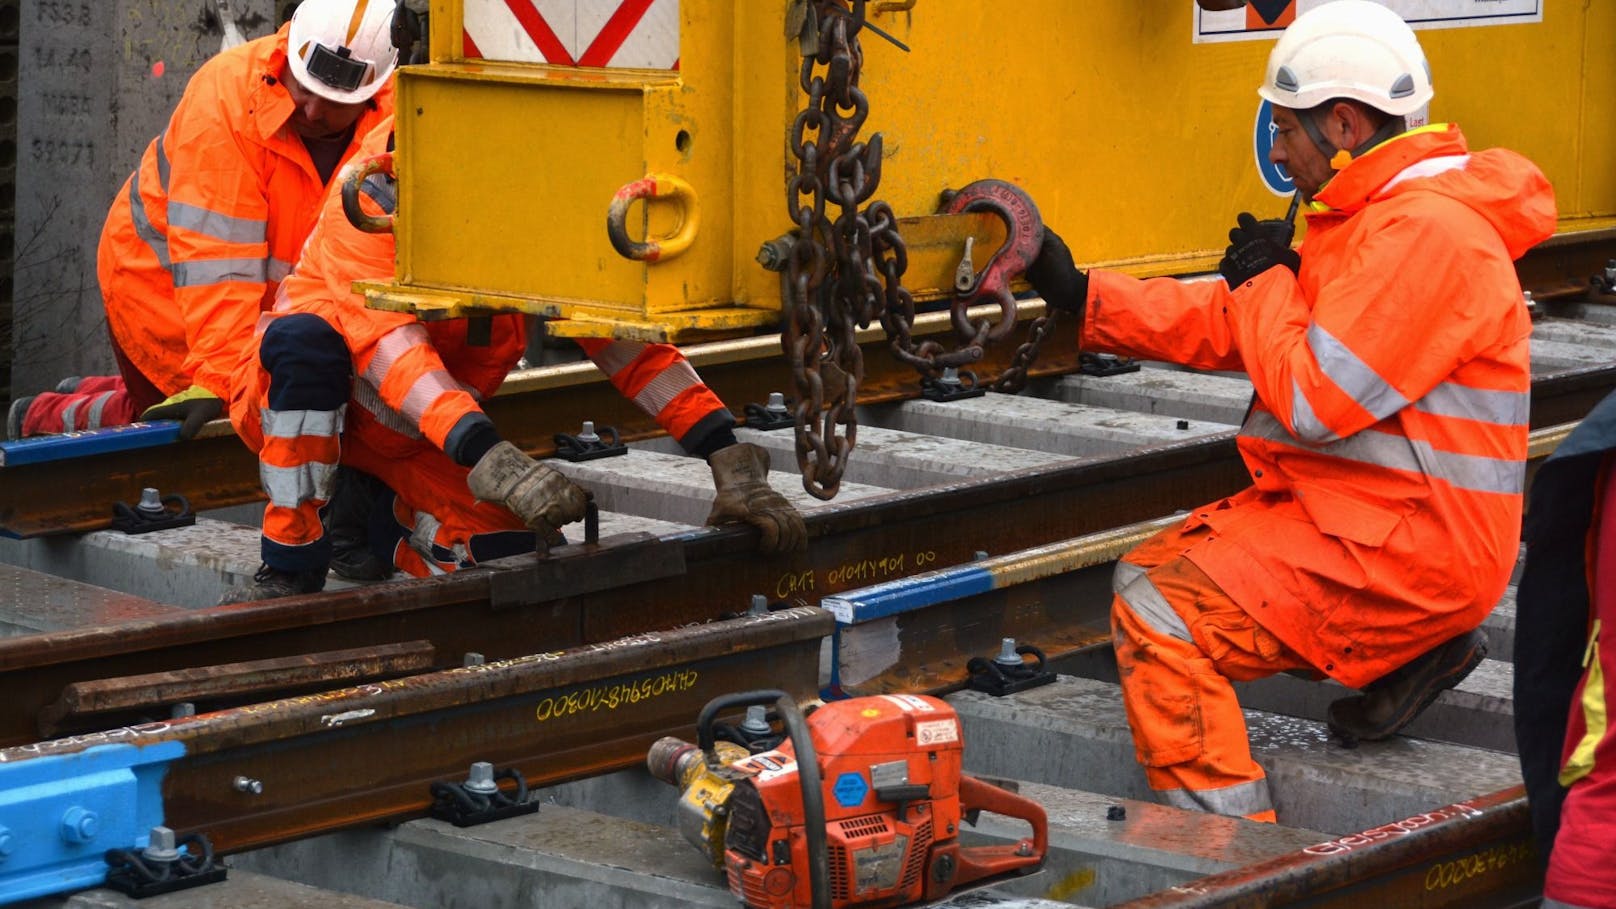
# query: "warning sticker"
908,703
936,732
1266,18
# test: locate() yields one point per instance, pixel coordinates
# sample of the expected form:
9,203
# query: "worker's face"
1294,150
314,117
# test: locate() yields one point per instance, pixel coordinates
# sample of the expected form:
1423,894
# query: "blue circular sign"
1273,175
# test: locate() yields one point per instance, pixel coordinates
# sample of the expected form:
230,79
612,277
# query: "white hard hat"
342,50
1354,49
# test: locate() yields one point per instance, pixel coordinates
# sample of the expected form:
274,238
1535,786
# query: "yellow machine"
673,118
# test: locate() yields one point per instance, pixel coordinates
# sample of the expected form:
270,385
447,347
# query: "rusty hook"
1024,233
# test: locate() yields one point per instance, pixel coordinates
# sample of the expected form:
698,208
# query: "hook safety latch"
1024,233
366,177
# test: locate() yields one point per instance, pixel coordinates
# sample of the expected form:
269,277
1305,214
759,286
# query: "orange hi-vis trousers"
1180,642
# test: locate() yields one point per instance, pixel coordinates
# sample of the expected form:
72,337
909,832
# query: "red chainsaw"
859,806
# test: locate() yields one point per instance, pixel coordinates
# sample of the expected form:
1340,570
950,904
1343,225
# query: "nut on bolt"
774,254
248,785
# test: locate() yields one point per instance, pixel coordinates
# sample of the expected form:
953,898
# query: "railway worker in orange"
1564,668
1386,441
202,232
328,381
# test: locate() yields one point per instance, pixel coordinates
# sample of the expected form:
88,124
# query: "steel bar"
291,768
205,684
1477,853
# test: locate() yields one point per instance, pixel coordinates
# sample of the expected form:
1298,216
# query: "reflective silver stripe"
366,396
1551,903
143,226
68,413
422,538
1430,167
669,384
393,345
1238,800
205,272
1353,376
1146,602
1505,408
615,357
289,424
1472,472
427,388
278,269
289,487
97,404
219,226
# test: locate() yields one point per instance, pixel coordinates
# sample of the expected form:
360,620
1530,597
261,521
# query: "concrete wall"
97,80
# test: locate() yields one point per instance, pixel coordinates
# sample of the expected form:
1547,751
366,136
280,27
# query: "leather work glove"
741,473
1056,277
193,407
540,495
1256,246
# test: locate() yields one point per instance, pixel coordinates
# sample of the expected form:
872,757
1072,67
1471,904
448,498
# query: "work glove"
1256,246
540,495
193,407
1055,276
741,474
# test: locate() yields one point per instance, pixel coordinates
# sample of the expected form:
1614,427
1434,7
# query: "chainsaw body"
893,798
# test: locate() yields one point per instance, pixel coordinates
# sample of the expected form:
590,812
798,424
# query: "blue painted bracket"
60,813
40,449
879,601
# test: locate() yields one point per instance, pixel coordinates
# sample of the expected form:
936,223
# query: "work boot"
269,583
69,385
347,525
16,415
1393,701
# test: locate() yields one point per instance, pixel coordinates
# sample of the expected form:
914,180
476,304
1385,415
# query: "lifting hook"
653,186
1024,233
355,180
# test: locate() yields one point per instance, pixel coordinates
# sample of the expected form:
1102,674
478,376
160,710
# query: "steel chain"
841,275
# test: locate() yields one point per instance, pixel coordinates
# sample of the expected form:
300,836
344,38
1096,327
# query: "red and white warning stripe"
641,34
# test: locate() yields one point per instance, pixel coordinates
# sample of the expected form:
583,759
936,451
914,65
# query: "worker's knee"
308,363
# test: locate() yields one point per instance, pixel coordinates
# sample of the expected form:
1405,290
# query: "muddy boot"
1392,701
347,519
269,583
16,415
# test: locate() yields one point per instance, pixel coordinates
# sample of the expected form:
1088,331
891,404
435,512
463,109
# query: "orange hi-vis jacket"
202,232
1387,439
416,380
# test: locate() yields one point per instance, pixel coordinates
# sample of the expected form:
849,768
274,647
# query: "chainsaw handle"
813,791
984,861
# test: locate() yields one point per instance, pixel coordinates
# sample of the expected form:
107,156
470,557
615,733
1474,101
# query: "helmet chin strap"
1341,157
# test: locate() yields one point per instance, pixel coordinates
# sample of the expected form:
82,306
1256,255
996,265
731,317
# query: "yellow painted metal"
1136,143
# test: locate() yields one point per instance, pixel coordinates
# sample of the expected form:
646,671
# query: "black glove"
193,407
1055,276
1256,246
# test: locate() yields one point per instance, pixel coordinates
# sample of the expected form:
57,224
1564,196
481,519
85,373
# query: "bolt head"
80,825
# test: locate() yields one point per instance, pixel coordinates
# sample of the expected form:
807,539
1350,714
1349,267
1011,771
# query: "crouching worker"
330,382
1387,439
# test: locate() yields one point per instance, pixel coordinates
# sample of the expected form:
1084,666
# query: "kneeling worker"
328,380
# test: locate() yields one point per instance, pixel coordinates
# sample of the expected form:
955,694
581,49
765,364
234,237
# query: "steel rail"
215,470
281,770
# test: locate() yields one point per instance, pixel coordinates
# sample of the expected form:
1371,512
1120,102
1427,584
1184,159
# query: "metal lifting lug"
152,513
1008,672
954,385
479,799
1104,364
588,445
164,866
771,416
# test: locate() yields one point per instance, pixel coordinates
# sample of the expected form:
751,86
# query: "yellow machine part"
1136,143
